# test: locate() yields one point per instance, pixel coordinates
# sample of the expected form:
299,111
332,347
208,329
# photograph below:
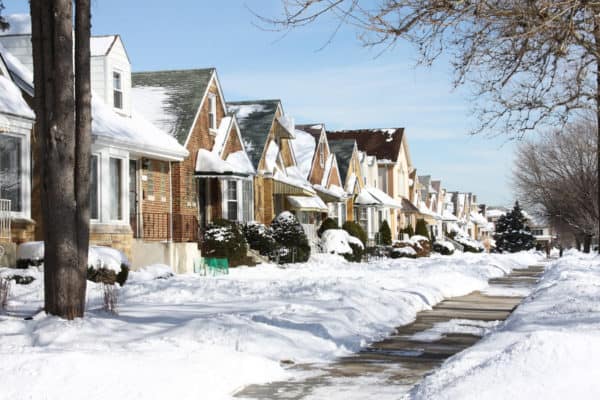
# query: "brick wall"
155,200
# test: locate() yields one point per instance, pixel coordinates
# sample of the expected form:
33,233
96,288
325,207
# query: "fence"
151,226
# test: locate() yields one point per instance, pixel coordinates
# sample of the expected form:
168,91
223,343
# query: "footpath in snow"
549,348
191,337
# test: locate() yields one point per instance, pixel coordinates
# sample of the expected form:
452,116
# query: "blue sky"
343,85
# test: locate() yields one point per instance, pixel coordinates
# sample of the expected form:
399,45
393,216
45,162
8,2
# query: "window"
333,210
11,179
117,90
342,216
232,201
537,232
248,199
382,177
363,219
94,187
212,111
116,209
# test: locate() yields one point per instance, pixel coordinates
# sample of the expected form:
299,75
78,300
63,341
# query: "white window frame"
25,139
118,73
104,155
99,191
247,201
212,113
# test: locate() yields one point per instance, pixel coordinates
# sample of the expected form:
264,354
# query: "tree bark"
587,243
64,215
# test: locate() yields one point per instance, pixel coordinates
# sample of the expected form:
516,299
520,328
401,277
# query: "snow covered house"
427,204
16,124
129,157
323,170
216,180
279,184
386,169
348,161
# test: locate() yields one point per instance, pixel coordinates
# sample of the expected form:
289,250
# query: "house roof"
313,129
343,150
304,149
171,99
382,143
255,118
101,45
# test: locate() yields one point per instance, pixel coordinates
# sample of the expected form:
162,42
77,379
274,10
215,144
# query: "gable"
171,99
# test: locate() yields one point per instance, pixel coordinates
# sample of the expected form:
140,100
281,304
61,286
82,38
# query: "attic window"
212,112
117,90
321,154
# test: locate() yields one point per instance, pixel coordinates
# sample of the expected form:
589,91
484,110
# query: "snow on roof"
99,45
222,133
20,24
271,156
333,191
11,100
371,196
494,213
293,179
135,133
22,76
241,162
478,219
423,209
304,147
307,203
448,216
209,163
351,182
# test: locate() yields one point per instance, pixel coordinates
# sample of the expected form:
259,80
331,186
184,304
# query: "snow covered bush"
291,239
423,247
107,265
30,254
443,247
385,234
338,241
224,239
328,223
408,231
356,231
259,238
512,235
401,252
469,245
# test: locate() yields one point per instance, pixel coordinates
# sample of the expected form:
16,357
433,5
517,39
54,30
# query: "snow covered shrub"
107,265
338,241
469,245
403,252
423,247
443,247
356,231
30,254
512,235
421,229
224,239
291,239
259,238
328,223
385,234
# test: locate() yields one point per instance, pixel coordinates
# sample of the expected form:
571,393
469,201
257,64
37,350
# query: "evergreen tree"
421,229
385,234
291,239
512,235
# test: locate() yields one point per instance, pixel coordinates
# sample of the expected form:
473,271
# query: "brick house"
320,166
16,125
279,184
348,157
216,179
128,153
386,168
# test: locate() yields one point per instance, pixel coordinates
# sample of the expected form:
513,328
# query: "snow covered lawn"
192,337
549,348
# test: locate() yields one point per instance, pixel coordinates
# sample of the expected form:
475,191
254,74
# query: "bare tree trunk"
587,243
597,43
65,223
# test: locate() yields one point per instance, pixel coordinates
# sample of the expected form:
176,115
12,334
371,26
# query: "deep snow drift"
191,337
549,347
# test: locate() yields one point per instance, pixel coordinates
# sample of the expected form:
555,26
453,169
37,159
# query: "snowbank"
192,337
549,348
337,241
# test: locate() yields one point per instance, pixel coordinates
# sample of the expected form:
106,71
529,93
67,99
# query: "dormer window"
212,112
117,90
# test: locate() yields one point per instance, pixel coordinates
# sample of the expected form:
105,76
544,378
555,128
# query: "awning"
307,203
209,164
284,184
374,197
408,207
334,194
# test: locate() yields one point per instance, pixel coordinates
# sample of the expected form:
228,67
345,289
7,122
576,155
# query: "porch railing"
5,228
151,226
185,228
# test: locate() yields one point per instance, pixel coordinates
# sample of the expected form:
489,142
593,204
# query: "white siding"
117,61
98,77
20,47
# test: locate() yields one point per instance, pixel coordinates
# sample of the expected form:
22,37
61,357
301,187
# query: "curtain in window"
11,171
248,199
116,212
232,201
